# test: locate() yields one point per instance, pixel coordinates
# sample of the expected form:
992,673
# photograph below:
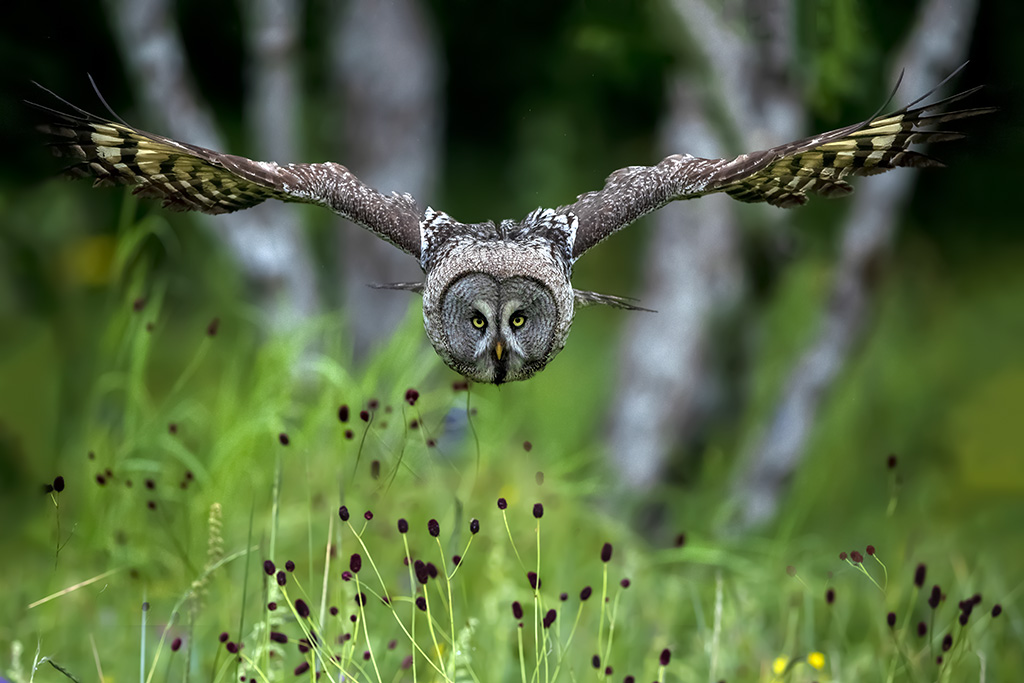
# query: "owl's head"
496,329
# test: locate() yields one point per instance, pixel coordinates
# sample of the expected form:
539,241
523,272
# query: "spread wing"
781,176
191,178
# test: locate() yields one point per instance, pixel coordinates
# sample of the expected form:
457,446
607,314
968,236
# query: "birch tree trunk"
386,69
935,46
694,272
267,241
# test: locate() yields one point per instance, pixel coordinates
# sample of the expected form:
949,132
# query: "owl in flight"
498,300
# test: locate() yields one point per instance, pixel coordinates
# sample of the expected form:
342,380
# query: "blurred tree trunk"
267,241
668,375
692,270
386,69
936,45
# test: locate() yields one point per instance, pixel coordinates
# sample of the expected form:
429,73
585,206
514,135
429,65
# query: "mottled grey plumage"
498,300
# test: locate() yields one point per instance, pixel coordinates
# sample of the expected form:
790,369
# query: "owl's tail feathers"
584,298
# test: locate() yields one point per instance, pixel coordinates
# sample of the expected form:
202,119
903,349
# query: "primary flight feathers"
497,297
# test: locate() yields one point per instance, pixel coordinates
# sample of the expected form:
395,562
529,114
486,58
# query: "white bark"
668,379
692,270
936,45
386,70
267,241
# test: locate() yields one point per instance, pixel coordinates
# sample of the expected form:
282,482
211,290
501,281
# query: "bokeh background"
792,352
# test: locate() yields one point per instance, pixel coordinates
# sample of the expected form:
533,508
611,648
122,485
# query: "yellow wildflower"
779,665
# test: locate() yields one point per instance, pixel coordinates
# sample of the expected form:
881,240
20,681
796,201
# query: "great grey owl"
497,299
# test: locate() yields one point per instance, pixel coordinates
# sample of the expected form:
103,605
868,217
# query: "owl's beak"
498,350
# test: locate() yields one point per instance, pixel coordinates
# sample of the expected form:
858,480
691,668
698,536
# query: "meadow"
232,505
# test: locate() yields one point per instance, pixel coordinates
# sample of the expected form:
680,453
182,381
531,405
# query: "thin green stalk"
451,611
366,631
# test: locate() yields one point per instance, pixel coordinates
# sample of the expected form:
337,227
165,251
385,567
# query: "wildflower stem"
415,645
366,631
508,531
433,636
539,606
373,565
255,667
522,660
611,625
448,587
462,558
885,572
604,601
142,640
568,641
860,567
327,571
412,619
245,574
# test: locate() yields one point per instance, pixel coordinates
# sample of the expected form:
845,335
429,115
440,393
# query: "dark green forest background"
541,101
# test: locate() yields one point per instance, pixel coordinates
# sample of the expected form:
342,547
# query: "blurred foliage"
543,101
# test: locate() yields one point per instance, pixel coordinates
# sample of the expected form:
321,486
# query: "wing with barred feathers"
782,176
192,178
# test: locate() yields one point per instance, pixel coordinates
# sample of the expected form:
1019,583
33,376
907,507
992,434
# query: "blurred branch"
937,44
267,240
748,49
386,68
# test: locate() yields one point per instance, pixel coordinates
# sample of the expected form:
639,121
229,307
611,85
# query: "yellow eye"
479,322
517,320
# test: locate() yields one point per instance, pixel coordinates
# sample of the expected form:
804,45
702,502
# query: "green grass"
190,459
